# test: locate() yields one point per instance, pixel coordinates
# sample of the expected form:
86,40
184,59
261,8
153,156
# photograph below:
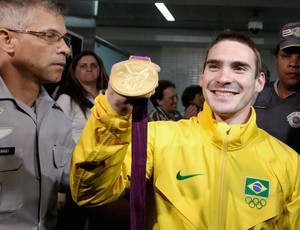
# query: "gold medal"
136,77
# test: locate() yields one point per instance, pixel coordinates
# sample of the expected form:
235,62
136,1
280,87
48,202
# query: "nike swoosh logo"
184,177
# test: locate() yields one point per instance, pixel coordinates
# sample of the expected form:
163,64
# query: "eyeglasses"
49,36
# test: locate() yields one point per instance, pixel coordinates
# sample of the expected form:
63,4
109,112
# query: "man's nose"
224,75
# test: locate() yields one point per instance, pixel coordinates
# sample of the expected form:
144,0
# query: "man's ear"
260,82
6,41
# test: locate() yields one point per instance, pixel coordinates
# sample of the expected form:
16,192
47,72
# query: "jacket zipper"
221,189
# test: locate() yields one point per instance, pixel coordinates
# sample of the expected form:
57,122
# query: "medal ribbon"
139,159
138,165
133,74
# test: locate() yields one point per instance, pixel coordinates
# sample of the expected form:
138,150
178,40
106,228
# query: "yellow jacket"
205,174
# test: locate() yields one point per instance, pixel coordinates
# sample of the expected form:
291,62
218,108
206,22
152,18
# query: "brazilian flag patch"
257,187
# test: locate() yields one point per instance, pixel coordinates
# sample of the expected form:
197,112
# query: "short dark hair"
189,94
230,35
159,91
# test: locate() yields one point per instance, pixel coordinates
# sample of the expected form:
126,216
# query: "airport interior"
116,29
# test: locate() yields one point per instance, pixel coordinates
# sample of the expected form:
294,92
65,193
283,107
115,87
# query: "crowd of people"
230,160
165,102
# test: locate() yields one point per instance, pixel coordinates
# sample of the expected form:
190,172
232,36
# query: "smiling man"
214,171
278,105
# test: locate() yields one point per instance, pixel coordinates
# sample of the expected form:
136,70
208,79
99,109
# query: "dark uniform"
279,117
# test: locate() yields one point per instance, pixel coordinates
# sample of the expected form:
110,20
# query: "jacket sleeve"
293,201
100,167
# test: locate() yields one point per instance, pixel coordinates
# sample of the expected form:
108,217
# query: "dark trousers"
72,216
112,216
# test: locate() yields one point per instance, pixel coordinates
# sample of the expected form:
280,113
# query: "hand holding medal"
136,77
135,81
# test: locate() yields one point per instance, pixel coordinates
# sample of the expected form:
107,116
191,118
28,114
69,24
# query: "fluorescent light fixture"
165,12
96,3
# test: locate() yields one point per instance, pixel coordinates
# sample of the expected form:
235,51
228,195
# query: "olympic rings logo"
255,202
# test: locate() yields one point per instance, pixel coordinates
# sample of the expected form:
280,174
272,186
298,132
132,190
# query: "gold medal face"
134,78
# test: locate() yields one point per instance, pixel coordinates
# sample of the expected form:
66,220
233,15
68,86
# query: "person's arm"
293,201
100,166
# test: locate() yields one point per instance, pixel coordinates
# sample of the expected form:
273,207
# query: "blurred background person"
278,105
86,78
165,102
192,99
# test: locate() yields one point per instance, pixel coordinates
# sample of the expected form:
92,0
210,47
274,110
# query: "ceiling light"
96,3
165,12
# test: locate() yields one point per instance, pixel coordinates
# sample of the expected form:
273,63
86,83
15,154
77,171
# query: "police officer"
278,105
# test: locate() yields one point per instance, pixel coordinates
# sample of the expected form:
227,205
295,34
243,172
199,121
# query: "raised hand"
134,78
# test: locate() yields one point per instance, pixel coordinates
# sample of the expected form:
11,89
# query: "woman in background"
86,78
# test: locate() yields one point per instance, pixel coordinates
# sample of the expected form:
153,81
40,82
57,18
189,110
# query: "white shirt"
75,115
